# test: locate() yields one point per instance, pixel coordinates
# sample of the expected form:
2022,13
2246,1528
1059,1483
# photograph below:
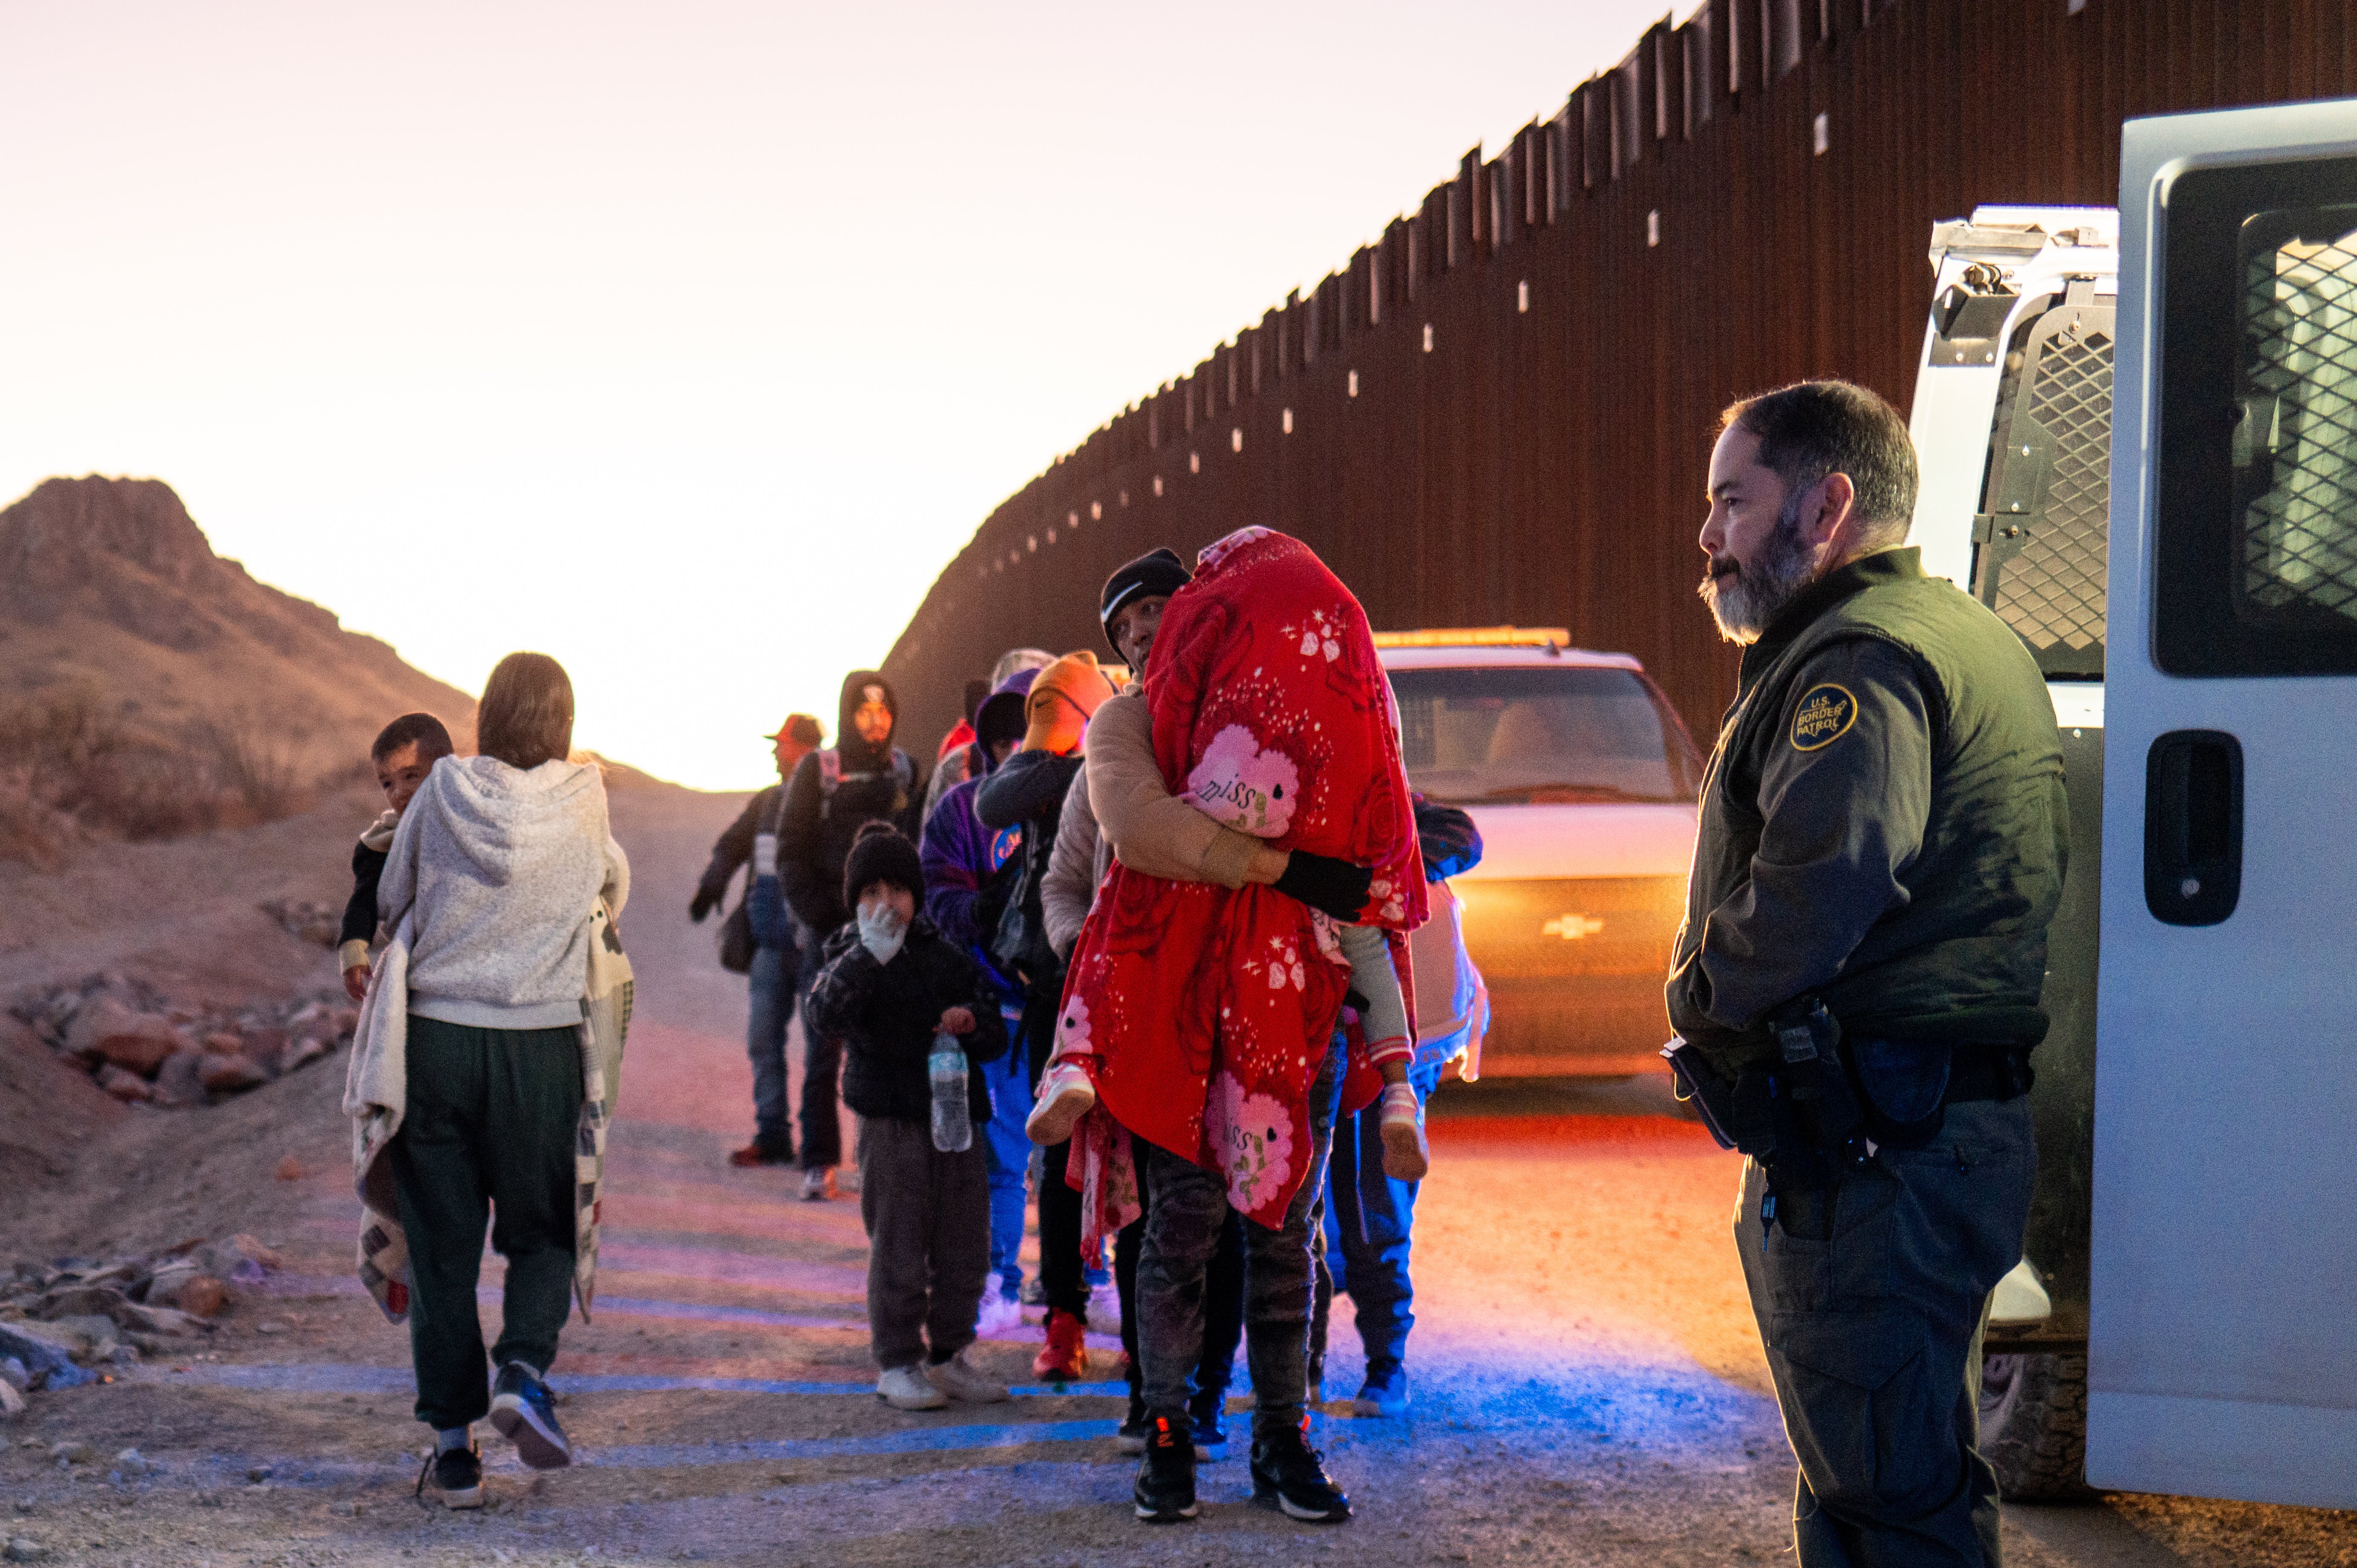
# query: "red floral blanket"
1209,1011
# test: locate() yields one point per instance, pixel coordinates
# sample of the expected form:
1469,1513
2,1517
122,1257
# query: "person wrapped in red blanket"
1207,1015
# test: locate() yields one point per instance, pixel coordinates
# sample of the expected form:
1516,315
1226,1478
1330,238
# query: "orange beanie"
1064,697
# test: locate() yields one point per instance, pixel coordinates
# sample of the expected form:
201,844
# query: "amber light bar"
1477,637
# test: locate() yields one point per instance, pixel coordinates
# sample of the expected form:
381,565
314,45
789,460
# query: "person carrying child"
888,986
405,752
1200,1026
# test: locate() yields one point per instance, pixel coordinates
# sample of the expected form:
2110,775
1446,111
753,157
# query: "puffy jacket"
885,1015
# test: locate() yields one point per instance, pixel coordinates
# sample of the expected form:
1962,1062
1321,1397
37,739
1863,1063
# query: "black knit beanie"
1157,571
881,854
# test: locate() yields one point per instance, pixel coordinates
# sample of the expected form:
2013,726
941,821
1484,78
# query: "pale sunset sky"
685,342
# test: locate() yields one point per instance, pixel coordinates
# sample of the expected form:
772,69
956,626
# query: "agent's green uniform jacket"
1883,825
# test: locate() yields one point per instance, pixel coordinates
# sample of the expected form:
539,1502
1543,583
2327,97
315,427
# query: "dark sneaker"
525,1414
1131,1438
759,1154
1209,1412
1166,1477
1288,1474
456,1475
1383,1393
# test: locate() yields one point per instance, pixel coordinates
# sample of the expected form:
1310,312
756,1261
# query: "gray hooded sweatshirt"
499,870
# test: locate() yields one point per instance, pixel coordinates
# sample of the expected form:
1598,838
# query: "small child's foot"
1065,1096
1406,1158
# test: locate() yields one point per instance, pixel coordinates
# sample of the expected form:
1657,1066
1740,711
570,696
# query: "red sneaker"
755,1154
1065,1358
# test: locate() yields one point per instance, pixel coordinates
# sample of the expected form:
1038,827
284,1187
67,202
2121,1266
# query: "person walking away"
1131,611
500,886
954,764
404,752
777,940
1028,792
1199,1025
888,988
1855,986
1370,1214
970,874
832,794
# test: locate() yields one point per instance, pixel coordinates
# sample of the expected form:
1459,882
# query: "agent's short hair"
431,737
1811,429
526,715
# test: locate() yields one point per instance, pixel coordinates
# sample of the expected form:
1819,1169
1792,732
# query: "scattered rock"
126,1086
229,1075
12,1401
95,1334
47,1353
290,1169
241,1258
307,920
80,1300
70,1452
299,1051
13,1373
24,1549
203,1296
106,1030
131,1463
273,1328
180,1080
257,1473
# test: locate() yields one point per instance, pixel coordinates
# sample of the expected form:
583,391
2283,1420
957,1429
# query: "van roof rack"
1477,637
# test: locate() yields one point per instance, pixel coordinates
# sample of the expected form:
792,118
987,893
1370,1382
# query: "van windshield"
1570,735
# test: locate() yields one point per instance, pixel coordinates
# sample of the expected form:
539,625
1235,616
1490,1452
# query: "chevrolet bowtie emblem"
1571,928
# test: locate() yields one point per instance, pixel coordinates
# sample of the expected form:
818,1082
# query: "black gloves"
702,905
1335,886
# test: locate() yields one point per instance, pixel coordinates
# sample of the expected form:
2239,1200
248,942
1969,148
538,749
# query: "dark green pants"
490,1129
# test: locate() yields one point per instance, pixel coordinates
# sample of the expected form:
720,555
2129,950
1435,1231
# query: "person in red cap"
777,942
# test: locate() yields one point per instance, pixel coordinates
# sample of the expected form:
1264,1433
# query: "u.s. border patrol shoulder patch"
1824,715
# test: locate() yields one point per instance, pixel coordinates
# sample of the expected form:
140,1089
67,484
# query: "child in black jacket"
888,984
405,752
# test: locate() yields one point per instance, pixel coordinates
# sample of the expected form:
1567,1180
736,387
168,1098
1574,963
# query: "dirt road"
1587,1385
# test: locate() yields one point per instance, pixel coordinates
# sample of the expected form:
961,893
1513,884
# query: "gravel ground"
1589,1388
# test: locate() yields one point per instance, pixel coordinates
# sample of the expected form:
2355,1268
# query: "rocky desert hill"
149,687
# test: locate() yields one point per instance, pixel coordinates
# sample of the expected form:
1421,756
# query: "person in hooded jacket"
496,870
863,779
970,871
960,756
1028,791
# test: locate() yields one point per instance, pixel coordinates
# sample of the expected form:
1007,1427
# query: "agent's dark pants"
770,991
927,1220
1182,1232
1223,1304
1369,1218
489,1130
821,1068
1871,1299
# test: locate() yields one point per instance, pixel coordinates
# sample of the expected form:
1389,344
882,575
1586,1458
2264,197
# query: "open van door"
2223,1346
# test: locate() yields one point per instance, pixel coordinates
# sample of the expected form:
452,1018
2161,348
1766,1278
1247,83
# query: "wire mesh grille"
2053,593
2296,437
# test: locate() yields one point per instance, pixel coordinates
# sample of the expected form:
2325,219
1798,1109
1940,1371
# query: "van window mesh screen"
2296,418
2040,562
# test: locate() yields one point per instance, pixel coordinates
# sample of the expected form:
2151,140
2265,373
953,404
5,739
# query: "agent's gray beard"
1746,601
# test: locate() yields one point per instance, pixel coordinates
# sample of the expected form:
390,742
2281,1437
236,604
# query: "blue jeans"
771,980
1009,1081
1364,1250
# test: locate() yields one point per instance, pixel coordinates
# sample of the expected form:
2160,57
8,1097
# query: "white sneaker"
1065,1096
905,1388
1105,1309
999,1313
961,1382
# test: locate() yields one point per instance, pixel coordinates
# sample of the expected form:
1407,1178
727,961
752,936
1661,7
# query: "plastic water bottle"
953,1129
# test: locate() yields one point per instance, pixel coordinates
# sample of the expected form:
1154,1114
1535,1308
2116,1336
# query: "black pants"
1871,1298
1190,1211
1223,1304
822,1072
1063,1276
490,1129
927,1220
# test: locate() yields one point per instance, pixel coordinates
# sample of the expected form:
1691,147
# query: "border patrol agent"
1856,985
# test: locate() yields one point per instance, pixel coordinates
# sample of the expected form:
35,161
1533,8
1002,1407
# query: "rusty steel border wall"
1502,410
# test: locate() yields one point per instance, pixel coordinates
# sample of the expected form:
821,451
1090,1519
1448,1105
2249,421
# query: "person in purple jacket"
970,870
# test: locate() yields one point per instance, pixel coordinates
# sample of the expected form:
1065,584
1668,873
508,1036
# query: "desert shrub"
251,763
